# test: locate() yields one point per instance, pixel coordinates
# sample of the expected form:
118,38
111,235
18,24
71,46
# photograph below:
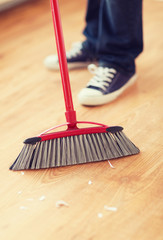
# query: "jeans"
114,31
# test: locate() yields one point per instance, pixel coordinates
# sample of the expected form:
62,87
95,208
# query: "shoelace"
103,76
75,50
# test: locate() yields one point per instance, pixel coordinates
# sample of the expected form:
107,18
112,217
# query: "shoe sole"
100,100
71,66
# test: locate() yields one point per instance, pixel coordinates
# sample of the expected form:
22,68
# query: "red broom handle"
70,113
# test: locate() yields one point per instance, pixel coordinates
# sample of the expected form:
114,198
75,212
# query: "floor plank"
32,102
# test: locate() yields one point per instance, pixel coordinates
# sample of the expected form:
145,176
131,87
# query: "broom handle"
70,113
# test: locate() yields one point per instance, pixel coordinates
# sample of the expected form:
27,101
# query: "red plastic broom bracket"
47,135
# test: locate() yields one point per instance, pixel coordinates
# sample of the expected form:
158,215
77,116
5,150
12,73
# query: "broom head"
74,146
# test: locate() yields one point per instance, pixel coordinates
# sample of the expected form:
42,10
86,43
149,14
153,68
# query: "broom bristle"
73,150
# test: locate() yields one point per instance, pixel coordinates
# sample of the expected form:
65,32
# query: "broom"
74,145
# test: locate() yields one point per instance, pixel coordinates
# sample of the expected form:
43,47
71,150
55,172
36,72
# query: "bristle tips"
74,150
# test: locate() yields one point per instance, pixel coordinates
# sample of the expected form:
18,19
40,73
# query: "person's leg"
92,22
119,43
120,32
84,53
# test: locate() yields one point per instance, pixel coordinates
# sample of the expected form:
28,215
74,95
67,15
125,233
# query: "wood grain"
31,101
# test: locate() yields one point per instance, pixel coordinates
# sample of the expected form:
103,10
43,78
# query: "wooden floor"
31,101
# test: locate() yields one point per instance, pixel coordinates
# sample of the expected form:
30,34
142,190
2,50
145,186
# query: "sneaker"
77,57
106,85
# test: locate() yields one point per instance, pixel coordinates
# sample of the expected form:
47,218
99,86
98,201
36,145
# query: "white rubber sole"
51,62
91,97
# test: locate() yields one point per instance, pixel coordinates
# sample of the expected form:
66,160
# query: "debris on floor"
61,203
22,173
90,182
42,198
100,215
23,208
110,164
113,209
